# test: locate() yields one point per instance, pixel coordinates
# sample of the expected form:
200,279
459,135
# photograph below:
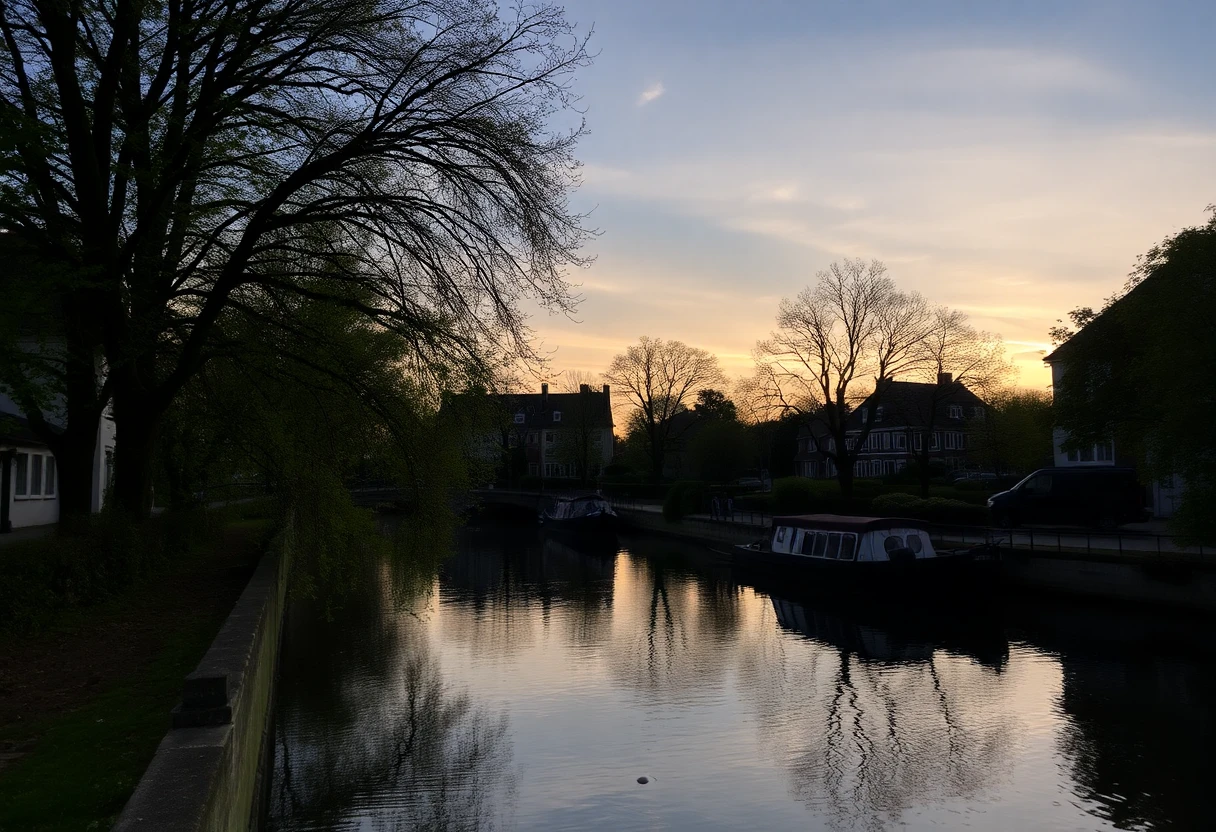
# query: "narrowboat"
590,513
863,551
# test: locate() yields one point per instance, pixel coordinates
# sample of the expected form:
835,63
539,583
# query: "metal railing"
1046,540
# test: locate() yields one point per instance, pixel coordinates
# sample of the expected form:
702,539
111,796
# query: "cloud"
651,93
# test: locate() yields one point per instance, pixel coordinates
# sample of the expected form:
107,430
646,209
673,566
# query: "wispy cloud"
651,93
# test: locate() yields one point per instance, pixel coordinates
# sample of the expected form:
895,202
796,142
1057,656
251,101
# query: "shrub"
933,509
684,497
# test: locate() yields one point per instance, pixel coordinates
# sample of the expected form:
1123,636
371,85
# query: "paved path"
27,533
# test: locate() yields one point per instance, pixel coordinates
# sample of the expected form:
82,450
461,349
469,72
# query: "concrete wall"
209,769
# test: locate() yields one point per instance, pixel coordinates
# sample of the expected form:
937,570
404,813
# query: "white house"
33,492
1162,496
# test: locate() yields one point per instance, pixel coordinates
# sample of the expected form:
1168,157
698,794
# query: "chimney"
605,389
945,378
584,388
544,395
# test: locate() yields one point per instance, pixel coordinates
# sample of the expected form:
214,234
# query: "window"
865,415
49,490
901,442
878,414
832,445
821,542
808,540
550,436
519,418
36,475
892,543
1038,485
977,413
833,548
949,441
781,530
918,441
848,546
21,470
557,415
533,468
935,442
956,411
1104,452
915,544
886,441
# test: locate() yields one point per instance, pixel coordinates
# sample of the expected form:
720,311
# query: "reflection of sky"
1010,160
730,721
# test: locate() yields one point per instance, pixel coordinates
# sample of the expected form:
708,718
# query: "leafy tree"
1140,373
713,404
660,379
1015,435
167,164
719,451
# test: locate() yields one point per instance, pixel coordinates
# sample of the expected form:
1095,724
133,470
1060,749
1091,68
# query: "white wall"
33,509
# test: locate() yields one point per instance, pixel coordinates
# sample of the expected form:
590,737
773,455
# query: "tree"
1140,373
830,341
581,438
169,163
719,451
659,378
951,357
1015,435
713,404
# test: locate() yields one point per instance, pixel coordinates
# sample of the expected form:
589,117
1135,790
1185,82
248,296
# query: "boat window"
833,550
848,546
914,543
781,534
821,541
808,540
893,542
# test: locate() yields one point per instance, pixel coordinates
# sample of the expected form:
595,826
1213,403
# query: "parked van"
1103,497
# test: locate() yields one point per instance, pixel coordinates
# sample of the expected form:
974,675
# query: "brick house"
554,435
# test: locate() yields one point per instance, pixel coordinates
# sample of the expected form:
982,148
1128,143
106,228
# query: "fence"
1062,541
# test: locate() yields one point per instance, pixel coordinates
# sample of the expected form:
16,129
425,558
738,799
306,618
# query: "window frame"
21,475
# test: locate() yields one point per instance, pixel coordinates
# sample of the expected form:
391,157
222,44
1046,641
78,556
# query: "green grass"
85,764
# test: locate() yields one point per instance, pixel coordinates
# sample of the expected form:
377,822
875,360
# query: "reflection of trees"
499,582
1139,697
369,732
869,724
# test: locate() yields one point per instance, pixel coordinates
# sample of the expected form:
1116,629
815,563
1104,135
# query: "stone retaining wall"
208,771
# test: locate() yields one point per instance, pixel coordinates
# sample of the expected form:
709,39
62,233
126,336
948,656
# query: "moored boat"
865,552
590,513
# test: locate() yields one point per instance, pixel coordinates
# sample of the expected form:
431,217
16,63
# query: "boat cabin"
841,538
575,508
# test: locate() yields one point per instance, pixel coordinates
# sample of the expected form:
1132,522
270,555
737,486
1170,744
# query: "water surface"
533,681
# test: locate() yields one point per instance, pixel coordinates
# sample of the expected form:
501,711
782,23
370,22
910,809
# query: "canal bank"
1182,579
209,770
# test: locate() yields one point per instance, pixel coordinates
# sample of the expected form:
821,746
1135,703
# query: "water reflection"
532,680
370,735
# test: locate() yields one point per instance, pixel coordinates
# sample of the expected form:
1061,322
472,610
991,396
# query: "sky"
1009,160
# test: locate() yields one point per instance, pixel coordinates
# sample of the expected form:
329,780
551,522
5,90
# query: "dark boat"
864,553
590,513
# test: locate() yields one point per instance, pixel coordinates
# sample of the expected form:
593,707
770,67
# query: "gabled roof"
538,409
906,403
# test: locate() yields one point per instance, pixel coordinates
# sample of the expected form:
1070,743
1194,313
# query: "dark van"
1103,497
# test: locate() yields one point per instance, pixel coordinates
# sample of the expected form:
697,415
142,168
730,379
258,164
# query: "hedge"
684,497
933,509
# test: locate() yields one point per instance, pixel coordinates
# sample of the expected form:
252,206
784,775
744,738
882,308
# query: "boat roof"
846,523
580,498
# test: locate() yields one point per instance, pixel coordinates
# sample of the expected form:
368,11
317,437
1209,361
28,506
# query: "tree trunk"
134,445
74,457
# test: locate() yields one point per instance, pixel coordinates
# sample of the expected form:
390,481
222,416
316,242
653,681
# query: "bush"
799,495
684,497
932,510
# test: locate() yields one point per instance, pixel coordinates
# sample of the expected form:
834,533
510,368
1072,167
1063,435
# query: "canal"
532,681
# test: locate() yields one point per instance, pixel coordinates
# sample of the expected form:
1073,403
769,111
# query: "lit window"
21,470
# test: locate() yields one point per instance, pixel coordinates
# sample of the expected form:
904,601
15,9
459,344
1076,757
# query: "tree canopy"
1141,373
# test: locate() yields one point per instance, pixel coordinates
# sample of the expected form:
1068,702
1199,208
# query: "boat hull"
946,572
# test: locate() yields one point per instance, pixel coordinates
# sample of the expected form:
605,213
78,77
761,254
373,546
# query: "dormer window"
865,415
519,418
978,413
878,414
956,411
557,415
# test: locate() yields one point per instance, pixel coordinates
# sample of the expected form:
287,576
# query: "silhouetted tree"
168,163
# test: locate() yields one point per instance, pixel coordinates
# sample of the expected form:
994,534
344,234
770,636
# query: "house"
32,495
902,417
1162,496
552,435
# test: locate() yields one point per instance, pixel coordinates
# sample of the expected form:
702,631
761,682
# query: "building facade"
903,418
33,481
